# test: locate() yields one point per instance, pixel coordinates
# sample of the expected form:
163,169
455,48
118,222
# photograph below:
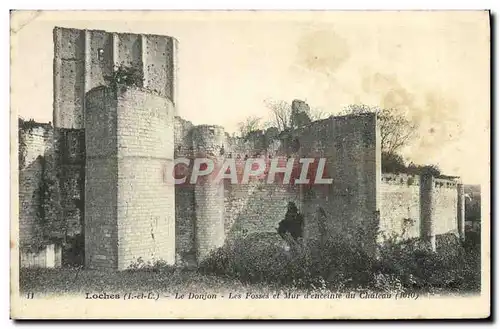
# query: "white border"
192,5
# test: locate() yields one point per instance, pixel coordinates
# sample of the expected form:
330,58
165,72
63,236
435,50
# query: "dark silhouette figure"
293,222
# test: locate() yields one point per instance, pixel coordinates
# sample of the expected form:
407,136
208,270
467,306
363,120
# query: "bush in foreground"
452,267
339,264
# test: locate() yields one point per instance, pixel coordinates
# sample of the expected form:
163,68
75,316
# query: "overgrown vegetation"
396,131
394,163
248,266
125,75
151,266
283,117
339,264
50,225
25,127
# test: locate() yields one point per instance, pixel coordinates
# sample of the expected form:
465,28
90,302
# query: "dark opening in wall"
293,223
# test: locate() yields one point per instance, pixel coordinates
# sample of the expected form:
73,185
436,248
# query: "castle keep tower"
128,141
84,58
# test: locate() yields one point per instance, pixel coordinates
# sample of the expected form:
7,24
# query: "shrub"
339,264
331,263
125,75
151,266
451,268
247,261
392,163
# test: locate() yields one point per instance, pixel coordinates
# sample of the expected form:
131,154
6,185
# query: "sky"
433,66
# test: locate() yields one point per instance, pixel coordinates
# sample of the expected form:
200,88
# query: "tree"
393,163
252,123
280,114
396,130
286,116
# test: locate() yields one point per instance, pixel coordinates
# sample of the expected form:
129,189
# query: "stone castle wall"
38,143
114,150
125,177
349,205
416,206
445,206
69,146
256,207
38,157
400,205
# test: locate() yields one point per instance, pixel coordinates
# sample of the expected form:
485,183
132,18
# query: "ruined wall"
431,203
69,145
185,215
38,142
400,205
159,65
445,201
208,215
259,207
255,145
37,145
131,140
134,138
29,182
349,206
185,221
439,209
83,58
69,77
256,207
129,136
49,257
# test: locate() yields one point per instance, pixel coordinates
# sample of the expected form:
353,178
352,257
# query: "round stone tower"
209,142
130,200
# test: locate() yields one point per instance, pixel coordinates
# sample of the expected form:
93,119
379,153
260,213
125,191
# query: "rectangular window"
100,54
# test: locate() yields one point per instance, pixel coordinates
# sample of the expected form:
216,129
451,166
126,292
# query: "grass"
80,281
250,266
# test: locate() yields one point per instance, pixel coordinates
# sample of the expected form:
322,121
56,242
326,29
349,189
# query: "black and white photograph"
250,164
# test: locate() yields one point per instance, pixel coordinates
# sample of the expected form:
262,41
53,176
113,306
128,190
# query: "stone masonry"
116,147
